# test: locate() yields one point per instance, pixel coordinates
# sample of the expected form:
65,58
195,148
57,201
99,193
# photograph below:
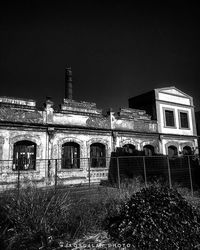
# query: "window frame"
173,147
98,160
73,144
186,147
20,163
129,148
179,119
149,148
164,116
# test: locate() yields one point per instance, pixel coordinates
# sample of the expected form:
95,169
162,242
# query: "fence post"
145,173
118,173
56,172
190,173
169,173
89,163
18,182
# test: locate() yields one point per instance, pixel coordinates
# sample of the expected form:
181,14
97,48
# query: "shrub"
156,218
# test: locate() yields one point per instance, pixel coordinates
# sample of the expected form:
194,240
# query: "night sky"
116,50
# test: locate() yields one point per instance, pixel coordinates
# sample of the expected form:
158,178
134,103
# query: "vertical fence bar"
169,172
118,173
145,173
18,182
48,170
56,172
89,163
190,173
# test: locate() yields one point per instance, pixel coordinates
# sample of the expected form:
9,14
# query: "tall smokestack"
68,83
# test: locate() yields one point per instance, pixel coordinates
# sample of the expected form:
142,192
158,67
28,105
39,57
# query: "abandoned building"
79,135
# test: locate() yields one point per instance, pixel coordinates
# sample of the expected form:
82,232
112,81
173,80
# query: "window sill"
173,127
24,171
98,169
184,128
70,170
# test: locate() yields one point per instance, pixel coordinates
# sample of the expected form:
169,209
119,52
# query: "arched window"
129,148
148,150
24,155
172,151
70,155
97,155
187,150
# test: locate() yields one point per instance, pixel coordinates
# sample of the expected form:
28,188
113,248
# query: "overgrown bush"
156,218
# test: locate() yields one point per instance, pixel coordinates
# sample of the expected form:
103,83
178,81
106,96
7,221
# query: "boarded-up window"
97,155
24,155
70,155
169,118
184,120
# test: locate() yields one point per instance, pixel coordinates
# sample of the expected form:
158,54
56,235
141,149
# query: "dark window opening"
98,155
129,148
70,155
172,151
169,118
24,155
148,150
184,120
187,150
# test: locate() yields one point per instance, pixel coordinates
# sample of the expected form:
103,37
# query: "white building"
174,112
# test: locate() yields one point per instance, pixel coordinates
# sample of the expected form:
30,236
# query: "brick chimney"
68,83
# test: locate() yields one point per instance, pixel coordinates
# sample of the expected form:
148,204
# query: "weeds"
42,219
34,218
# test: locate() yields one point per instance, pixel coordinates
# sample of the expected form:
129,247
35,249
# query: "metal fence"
184,171
176,171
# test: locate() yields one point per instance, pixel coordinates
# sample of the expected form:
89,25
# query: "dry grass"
45,219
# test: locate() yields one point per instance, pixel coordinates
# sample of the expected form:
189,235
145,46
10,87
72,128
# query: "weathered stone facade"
76,122
48,134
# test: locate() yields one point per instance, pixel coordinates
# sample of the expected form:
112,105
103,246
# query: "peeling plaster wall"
20,115
69,119
134,125
1,147
133,120
10,137
84,139
178,143
81,120
138,141
49,146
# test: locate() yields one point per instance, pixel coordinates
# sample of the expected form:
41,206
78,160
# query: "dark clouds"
116,50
